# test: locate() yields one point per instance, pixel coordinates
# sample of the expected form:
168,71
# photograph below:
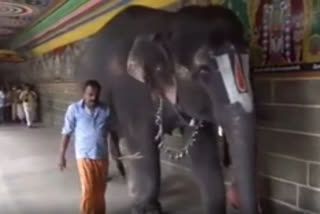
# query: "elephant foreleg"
207,170
143,175
116,153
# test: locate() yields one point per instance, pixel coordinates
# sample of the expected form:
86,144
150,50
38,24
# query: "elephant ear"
134,68
135,62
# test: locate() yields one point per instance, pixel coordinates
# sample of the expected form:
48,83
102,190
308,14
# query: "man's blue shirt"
89,129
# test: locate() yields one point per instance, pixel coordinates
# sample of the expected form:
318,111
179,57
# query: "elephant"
187,69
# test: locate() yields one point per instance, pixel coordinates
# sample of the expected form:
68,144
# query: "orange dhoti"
93,178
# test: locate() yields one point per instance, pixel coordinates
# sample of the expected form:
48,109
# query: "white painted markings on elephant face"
246,68
238,90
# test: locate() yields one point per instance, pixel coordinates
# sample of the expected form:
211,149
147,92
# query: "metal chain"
176,155
158,121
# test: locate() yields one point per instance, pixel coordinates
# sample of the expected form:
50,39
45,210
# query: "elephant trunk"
240,133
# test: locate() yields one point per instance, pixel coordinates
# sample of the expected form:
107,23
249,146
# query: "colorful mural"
10,56
284,35
18,14
85,26
278,32
312,36
57,65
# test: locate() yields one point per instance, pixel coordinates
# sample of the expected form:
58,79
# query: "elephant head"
218,62
150,62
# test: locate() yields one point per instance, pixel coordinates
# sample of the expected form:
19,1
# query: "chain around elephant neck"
177,155
158,121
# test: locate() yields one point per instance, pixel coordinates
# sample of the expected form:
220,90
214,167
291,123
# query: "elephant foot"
151,209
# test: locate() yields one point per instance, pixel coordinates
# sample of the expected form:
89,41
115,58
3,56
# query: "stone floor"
30,182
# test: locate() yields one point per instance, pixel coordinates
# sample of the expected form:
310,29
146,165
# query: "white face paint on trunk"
229,80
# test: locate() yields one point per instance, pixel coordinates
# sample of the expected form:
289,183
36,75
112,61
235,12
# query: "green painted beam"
47,13
64,10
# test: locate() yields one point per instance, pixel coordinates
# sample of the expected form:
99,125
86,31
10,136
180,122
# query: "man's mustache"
93,101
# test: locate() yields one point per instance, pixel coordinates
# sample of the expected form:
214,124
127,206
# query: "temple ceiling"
41,26
16,15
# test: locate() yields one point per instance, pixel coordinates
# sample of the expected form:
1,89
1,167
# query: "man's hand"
62,163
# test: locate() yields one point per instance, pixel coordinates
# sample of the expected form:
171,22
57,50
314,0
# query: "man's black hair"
92,83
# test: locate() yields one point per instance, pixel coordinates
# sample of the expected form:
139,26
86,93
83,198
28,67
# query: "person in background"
14,103
29,99
7,109
2,104
20,112
88,120
36,105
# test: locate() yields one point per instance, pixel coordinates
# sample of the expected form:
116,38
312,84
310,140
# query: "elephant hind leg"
208,172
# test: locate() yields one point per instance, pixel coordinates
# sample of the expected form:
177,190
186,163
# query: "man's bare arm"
63,149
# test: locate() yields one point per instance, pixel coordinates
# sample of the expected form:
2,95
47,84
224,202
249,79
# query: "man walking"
29,102
14,103
2,104
88,120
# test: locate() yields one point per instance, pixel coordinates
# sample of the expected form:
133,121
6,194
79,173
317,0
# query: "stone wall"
288,132
53,76
54,100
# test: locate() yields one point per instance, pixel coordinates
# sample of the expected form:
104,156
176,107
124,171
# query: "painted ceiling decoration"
13,9
16,15
74,22
85,20
57,18
10,56
44,25
50,8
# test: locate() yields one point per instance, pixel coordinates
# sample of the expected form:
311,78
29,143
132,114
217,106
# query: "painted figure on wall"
58,64
278,30
315,28
312,39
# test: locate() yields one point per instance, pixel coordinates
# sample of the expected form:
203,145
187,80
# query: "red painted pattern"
240,78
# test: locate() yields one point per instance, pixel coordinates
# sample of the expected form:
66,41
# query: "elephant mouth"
170,92
171,95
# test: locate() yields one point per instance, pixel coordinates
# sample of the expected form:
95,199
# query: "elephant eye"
158,68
